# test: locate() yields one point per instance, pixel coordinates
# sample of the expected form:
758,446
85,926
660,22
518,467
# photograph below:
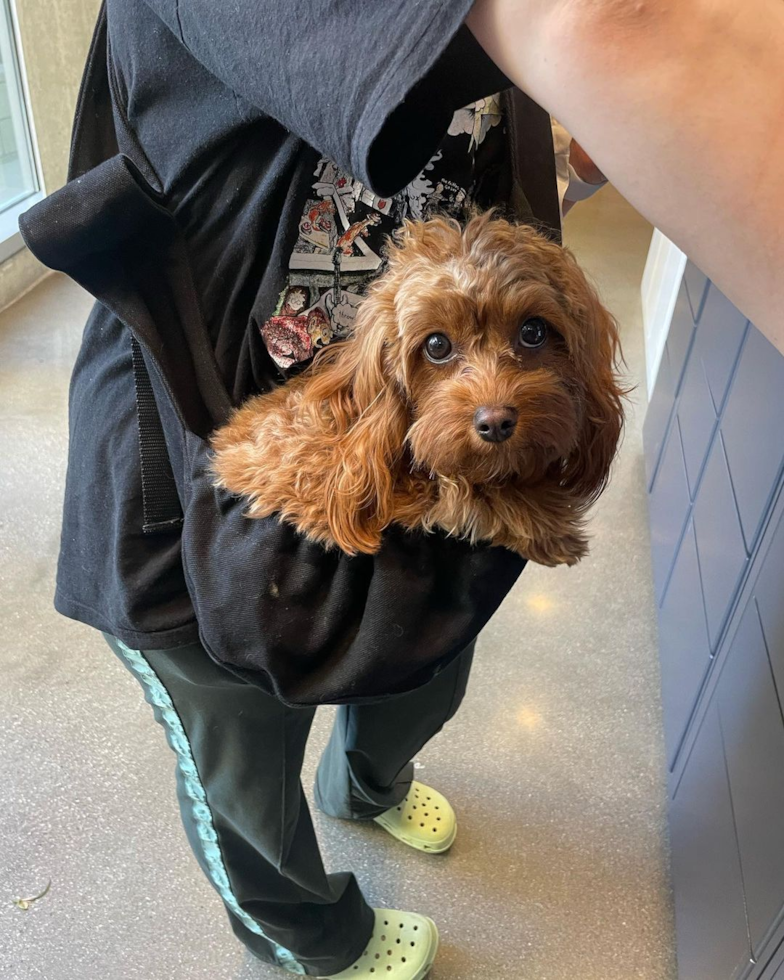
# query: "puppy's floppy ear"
588,467
354,395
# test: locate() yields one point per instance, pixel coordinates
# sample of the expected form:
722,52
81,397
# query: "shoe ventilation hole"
429,797
378,956
416,928
399,809
415,806
438,818
402,959
401,925
434,830
421,825
386,924
384,938
389,969
427,814
389,952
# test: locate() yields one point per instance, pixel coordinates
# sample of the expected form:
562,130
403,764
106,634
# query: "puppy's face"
503,353
488,376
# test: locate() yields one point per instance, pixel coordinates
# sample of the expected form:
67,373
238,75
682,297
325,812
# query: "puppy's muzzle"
495,423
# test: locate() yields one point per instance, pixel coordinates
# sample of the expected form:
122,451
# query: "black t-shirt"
343,226
284,140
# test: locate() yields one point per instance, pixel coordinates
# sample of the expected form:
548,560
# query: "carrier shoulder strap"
94,140
533,160
93,137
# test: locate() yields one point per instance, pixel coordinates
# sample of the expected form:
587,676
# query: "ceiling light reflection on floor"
539,603
529,718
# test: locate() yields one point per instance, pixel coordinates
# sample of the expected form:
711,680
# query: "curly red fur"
374,433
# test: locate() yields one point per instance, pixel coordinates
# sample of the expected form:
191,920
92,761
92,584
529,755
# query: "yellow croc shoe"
402,947
424,820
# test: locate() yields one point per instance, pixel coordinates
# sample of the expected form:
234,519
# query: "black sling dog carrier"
307,625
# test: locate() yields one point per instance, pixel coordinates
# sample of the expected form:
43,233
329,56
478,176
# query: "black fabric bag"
307,625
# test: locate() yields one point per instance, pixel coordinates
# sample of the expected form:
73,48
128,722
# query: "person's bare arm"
681,105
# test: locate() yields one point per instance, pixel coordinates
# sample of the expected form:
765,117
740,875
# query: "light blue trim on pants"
208,838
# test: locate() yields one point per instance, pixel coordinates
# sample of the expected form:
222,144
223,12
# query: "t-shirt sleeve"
371,84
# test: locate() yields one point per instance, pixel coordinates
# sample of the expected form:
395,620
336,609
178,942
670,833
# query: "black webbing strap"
160,500
533,156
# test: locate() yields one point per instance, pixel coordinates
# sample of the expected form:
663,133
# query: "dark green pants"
239,757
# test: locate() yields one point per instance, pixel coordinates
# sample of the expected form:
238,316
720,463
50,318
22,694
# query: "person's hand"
583,165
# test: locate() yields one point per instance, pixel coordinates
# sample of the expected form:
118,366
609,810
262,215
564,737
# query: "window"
19,184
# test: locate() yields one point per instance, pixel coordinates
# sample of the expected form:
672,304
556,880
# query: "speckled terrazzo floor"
554,764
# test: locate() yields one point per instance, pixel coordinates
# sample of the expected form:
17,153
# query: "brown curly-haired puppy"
478,395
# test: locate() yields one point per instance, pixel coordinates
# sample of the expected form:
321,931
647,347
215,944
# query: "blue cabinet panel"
754,744
697,420
658,415
668,506
683,642
714,443
679,337
695,282
720,545
713,941
718,342
753,430
769,593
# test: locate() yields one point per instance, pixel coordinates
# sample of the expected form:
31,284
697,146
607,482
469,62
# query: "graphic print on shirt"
476,120
343,227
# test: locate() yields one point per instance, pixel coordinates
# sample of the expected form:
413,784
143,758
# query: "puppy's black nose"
495,423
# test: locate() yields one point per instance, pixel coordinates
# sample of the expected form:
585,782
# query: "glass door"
19,183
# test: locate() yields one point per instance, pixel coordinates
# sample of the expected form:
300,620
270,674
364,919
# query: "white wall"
660,284
55,36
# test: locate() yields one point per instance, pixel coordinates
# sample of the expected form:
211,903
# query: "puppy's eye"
438,347
533,332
